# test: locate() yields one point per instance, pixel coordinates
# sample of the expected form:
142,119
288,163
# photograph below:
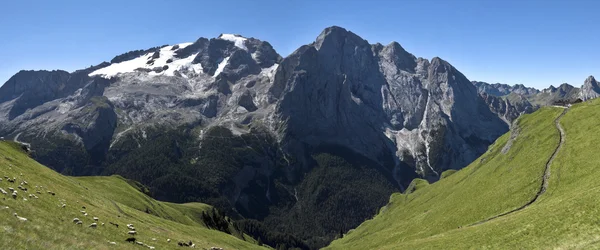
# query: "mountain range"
278,141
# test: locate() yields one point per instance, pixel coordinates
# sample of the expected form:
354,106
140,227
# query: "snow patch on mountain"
236,39
166,58
221,66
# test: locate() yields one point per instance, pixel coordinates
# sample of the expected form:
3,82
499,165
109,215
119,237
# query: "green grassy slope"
111,199
438,215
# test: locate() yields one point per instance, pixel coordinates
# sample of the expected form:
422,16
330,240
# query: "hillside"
459,210
111,199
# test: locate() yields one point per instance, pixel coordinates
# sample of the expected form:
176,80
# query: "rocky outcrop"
590,89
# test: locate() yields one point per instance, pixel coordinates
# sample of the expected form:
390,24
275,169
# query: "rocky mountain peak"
337,38
590,89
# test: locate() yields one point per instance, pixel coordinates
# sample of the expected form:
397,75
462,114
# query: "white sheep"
93,225
11,189
95,218
22,219
64,205
3,191
102,223
139,243
150,247
14,194
75,220
132,232
82,212
168,240
79,222
112,243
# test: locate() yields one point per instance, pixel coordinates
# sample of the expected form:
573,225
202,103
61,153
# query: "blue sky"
536,43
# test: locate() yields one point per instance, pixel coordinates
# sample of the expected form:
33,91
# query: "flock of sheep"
131,229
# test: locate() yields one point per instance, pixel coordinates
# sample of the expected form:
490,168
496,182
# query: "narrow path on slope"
545,176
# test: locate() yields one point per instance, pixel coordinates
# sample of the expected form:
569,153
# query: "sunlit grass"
437,216
111,199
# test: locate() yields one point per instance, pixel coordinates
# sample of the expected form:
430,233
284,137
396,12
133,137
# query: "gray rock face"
590,89
379,101
510,108
375,99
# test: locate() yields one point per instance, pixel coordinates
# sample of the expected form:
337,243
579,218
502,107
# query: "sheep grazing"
22,188
75,220
14,194
130,227
150,247
153,239
10,180
24,183
132,232
112,243
131,239
38,192
79,223
168,240
139,243
11,189
3,191
93,225
22,219
85,214
82,212
216,248
102,224
95,218
64,205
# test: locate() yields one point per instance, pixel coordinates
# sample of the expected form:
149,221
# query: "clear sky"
536,43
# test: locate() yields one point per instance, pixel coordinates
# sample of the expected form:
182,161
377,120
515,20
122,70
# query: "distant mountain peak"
590,89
